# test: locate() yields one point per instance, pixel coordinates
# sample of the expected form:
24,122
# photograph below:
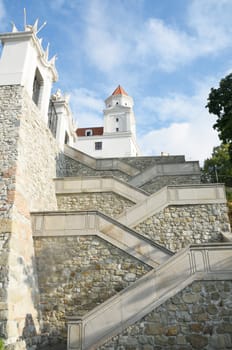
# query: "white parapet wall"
94,223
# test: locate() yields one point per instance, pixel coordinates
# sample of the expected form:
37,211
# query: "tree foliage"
218,168
2,347
220,104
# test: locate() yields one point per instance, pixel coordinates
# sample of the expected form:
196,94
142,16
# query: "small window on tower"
66,139
98,145
117,129
88,132
116,103
116,119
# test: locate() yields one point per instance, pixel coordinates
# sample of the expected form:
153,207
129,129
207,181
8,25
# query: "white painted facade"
119,136
112,145
33,70
24,62
64,128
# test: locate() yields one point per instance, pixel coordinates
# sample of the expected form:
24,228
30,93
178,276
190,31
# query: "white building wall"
118,145
22,54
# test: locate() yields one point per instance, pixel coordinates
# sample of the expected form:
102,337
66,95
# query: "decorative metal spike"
43,25
47,51
14,28
53,60
35,26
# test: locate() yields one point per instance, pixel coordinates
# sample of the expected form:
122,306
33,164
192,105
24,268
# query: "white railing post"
75,333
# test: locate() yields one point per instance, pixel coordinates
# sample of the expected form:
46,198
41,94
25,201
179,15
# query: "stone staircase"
145,205
58,223
170,273
197,262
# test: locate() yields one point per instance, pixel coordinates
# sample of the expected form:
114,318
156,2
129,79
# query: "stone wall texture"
27,168
199,317
108,203
9,136
175,227
76,274
160,181
73,167
142,163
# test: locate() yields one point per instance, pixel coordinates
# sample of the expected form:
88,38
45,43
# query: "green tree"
220,104
218,168
2,347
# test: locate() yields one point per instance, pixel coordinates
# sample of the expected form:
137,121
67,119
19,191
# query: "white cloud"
175,107
182,138
211,20
164,46
189,130
86,107
113,39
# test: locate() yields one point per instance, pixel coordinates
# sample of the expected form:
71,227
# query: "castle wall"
175,227
199,317
27,163
8,156
142,163
77,273
73,167
160,181
108,203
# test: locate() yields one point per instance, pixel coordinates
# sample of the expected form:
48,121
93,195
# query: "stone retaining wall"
108,203
161,181
78,273
175,227
199,317
9,135
143,163
27,167
75,168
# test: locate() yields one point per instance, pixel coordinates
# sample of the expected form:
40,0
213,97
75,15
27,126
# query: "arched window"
66,140
37,87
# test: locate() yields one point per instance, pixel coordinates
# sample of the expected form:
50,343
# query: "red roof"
95,131
119,91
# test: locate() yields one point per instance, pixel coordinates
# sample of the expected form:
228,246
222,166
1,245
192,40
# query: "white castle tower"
34,71
118,136
25,63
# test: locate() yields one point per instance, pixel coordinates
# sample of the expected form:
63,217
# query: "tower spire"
119,91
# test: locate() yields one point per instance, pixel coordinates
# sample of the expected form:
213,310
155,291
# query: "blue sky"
166,54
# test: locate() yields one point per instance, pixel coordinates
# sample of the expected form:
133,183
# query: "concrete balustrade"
95,223
100,164
197,262
146,205
99,184
173,195
187,168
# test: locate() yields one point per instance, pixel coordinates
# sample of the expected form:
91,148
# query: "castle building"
118,136
127,252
